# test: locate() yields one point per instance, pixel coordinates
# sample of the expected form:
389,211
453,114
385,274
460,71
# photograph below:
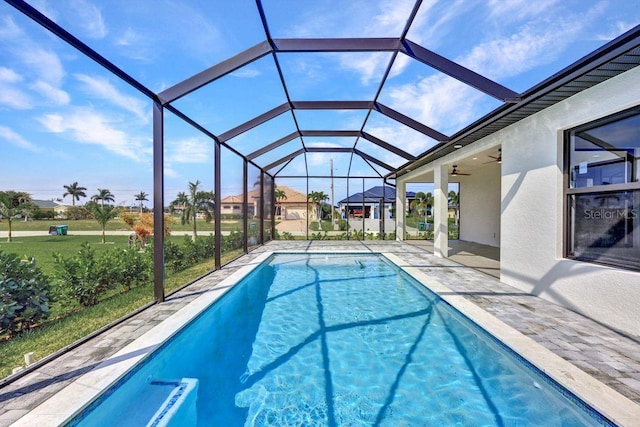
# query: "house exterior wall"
480,206
532,211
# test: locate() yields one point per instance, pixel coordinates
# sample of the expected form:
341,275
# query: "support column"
441,211
217,188
245,206
401,200
158,202
261,207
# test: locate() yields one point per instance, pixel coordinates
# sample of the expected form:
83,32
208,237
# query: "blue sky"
65,119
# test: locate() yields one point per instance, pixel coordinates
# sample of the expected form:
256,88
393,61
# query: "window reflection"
604,225
606,154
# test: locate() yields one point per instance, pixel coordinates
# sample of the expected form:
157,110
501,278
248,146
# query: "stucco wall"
480,206
532,218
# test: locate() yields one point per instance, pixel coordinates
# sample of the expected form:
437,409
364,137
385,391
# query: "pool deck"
608,356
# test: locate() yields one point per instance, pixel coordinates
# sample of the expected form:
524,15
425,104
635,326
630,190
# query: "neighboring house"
293,207
368,204
231,205
59,209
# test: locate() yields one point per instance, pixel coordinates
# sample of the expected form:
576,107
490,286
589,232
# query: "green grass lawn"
115,225
42,248
66,327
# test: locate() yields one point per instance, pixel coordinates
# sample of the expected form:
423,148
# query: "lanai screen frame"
511,100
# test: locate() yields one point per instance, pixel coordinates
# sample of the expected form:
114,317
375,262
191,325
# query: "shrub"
124,268
85,277
39,214
79,276
174,257
232,242
24,294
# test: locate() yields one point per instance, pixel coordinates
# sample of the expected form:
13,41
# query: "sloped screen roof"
375,85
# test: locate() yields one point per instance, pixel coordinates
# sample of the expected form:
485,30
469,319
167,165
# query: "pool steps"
179,407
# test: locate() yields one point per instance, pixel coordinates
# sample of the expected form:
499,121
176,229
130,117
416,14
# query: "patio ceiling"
283,124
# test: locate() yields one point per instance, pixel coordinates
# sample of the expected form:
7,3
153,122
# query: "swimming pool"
344,339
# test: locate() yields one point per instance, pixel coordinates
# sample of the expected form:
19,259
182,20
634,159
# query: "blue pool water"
335,340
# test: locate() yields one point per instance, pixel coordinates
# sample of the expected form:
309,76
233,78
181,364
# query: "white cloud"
370,66
102,88
41,70
88,127
15,139
127,37
617,29
9,29
58,96
437,101
89,17
45,64
402,137
534,45
7,75
189,150
191,28
392,16
519,9
169,172
10,94
246,73
447,104
45,8
432,24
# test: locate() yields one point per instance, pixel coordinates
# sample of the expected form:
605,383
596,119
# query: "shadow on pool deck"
601,352
483,258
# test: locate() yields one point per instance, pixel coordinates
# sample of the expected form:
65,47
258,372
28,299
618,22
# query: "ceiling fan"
496,159
454,172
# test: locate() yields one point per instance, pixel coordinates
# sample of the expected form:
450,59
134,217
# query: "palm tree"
422,202
179,202
103,214
280,196
12,204
75,192
318,198
104,195
140,197
194,202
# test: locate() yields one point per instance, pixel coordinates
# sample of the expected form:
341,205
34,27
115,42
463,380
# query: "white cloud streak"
88,127
447,104
10,95
41,71
17,140
54,94
189,150
246,73
101,88
90,19
44,63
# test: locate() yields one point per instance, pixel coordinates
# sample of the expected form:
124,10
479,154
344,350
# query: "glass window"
606,154
603,191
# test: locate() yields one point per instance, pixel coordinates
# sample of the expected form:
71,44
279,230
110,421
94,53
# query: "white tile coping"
75,397
604,399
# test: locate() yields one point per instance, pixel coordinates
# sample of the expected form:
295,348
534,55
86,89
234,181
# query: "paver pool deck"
609,356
